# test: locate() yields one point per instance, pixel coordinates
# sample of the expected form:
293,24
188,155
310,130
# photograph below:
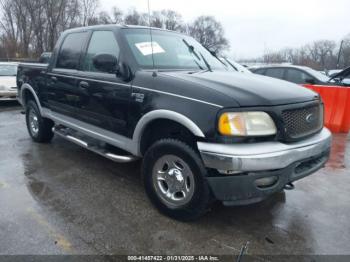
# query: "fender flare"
23,100
163,114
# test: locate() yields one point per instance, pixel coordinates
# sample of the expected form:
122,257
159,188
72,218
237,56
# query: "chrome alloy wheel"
33,122
173,181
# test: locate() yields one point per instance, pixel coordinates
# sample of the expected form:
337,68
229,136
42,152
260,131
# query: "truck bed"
32,74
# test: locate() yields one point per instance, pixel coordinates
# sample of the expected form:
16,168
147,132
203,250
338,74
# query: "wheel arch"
150,118
26,92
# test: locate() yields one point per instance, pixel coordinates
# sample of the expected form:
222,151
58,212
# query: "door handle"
53,78
83,84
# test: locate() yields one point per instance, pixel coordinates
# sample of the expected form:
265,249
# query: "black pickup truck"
204,133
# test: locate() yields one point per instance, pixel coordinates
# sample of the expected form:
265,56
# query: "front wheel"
174,179
39,128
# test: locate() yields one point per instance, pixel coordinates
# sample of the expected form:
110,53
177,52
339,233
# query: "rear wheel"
39,128
174,178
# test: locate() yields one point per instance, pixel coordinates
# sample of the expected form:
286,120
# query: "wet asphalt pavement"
59,198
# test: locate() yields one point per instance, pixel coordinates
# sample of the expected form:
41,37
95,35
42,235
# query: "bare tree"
173,20
89,8
60,15
135,18
24,25
117,15
320,55
37,15
157,19
104,18
209,33
9,30
345,52
29,27
321,52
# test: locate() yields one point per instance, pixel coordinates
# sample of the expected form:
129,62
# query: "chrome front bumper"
262,156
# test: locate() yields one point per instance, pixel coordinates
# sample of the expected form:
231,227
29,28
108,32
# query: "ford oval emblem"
310,118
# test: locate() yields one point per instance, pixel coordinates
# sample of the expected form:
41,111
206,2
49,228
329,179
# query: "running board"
65,133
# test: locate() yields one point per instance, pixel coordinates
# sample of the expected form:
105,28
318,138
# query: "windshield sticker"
146,49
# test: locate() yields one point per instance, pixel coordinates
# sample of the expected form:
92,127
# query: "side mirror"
105,63
310,81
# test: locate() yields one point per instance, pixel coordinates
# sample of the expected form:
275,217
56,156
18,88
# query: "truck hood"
7,81
249,89
343,74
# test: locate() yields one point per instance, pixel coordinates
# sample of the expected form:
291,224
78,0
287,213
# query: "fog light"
266,181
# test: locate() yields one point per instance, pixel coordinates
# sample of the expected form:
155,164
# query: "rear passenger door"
106,97
62,93
297,76
260,71
275,73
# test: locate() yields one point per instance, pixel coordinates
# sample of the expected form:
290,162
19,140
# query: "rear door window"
71,50
275,72
296,76
101,42
260,71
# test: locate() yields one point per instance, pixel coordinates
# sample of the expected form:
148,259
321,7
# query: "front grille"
302,122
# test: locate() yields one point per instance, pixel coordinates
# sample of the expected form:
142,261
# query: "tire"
39,128
174,179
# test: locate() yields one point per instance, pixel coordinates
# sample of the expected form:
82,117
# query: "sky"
255,26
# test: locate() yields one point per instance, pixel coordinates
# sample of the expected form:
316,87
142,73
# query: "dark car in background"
295,74
303,75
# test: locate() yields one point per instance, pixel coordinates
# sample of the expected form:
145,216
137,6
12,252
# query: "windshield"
317,74
8,70
170,51
230,67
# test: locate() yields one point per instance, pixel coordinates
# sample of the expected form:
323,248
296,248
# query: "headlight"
246,124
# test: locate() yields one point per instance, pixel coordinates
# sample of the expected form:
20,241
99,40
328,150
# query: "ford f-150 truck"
205,134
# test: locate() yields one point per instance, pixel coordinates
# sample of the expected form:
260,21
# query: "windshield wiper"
206,63
192,51
200,67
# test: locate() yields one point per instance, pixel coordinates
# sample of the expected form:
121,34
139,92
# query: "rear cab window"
71,50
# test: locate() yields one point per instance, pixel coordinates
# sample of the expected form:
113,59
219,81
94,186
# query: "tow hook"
289,186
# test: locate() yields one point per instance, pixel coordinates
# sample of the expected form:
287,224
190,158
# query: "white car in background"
8,87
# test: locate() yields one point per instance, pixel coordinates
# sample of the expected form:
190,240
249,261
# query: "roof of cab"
278,66
114,26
